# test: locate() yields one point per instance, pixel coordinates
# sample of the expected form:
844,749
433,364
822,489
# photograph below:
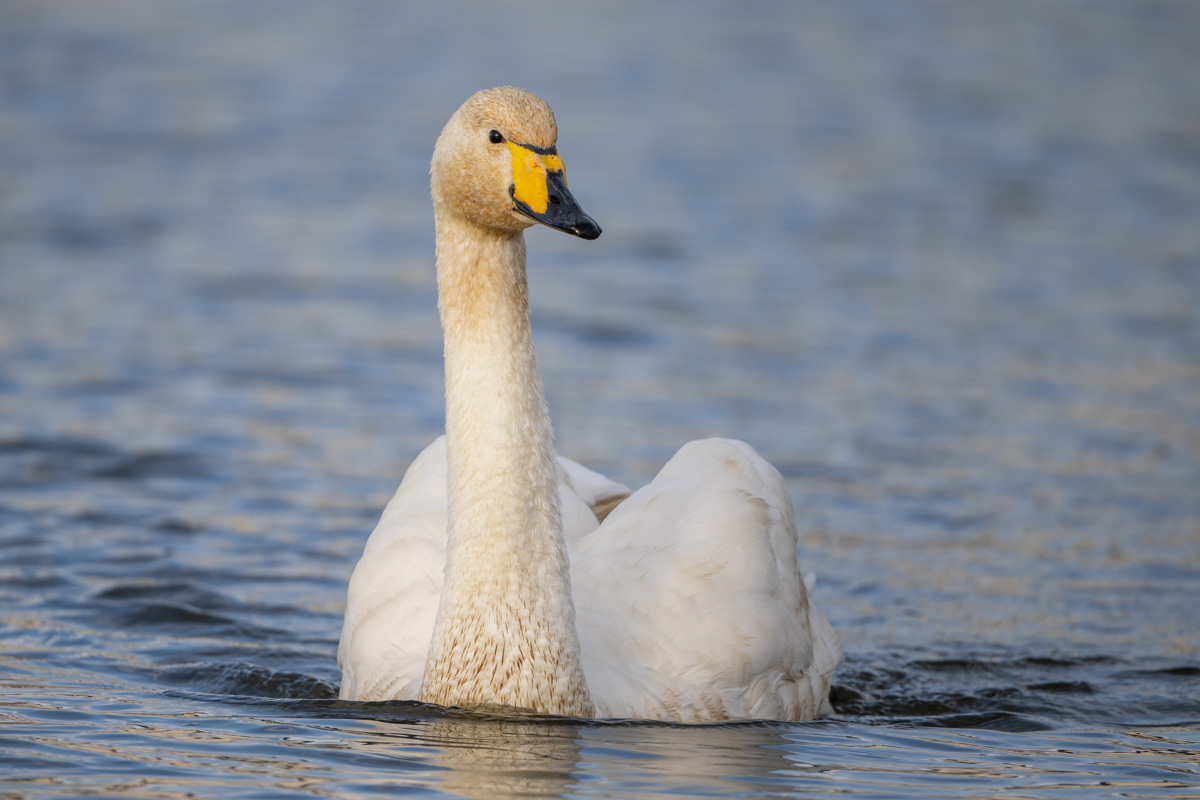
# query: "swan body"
501,574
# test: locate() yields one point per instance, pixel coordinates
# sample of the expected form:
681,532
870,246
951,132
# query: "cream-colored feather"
490,579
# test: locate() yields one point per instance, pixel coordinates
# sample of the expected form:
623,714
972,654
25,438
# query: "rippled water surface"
939,262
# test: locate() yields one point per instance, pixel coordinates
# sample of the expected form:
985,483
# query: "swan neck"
497,422
505,630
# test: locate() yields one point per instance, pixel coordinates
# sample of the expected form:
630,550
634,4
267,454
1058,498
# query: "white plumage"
483,585
688,598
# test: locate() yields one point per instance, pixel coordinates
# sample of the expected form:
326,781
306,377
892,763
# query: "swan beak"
539,191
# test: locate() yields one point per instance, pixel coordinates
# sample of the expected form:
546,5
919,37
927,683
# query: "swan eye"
495,137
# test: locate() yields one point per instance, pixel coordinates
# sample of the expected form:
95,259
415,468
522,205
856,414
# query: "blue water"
938,262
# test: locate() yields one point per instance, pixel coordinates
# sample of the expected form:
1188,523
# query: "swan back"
689,602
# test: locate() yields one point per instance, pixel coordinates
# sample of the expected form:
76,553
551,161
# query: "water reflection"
476,757
709,761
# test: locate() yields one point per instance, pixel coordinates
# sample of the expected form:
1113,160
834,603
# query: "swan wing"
394,591
690,603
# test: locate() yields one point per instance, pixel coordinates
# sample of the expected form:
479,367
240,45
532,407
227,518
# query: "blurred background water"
939,262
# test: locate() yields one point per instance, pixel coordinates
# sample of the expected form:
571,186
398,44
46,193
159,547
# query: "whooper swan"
490,579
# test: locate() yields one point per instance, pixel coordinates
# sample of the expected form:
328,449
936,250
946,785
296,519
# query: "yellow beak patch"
530,171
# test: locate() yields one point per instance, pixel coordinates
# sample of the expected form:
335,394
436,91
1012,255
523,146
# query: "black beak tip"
586,228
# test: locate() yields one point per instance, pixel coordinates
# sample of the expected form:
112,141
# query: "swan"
501,575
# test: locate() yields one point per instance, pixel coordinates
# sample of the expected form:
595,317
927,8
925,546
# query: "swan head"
496,164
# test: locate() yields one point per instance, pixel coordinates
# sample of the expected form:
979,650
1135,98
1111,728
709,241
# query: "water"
940,263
